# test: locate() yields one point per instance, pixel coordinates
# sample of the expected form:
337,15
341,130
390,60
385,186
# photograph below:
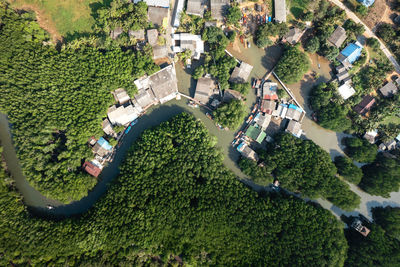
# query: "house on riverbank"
247,152
365,105
204,89
91,168
188,41
337,37
241,74
350,54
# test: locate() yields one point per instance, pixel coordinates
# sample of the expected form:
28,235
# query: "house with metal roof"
268,106
337,37
388,90
350,54
121,96
107,128
219,8
102,147
365,105
294,128
204,89
152,37
116,32
293,36
241,74
160,51
270,91
138,35
158,15
123,115
342,75
145,98
188,41
280,10
370,136
293,112
346,91
255,133
179,6
231,94
367,3
194,7
164,84
262,120
159,3
92,169
247,152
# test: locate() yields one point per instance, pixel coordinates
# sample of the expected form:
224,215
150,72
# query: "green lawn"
65,16
297,7
392,119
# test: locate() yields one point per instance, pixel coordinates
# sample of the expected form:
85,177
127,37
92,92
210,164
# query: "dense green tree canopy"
312,44
174,197
381,177
55,101
348,169
334,117
389,219
302,166
269,30
360,150
230,114
293,65
234,15
259,174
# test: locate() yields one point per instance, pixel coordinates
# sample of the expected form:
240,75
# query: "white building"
179,5
346,91
188,41
158,3
123,115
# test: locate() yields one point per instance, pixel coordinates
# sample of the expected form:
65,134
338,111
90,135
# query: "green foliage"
389,219
230,114
348,169
191,23
260,175
373,43
369,78
302,166
232,36
293,65
174,198
386,32
55,101
363,10
308,16
312,44
330,52
198,72
377,249
268,30
112,141
242,88
118,128
388,132
355,29
381,177
282,93
234,15
360,150
334,117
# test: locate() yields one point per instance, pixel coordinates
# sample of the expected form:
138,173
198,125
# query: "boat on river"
209,116
192,104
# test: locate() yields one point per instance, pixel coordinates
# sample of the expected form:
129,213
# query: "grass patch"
391,119
68,16
297,7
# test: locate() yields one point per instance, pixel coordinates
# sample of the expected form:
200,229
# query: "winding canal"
263,61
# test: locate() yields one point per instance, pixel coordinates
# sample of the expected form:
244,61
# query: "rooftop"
241,74
160,51
280,10
145,98
152,37
204,89
247,152
159,3
293,35
294,128
350,54
91,169
365,105
231,94
194,7
255,133
157,15
139,34
164,83
346,91
293,112
269,90
389,89
337,37
219,8
121,96
268,106
188,41
123,115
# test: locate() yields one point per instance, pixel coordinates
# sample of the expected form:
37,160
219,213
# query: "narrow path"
369,33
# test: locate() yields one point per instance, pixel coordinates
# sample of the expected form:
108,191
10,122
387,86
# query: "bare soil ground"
376,14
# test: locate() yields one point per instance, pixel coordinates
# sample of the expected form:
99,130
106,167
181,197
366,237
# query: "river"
263,61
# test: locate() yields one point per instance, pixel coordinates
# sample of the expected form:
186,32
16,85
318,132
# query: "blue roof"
352,52
104,144
366,3
240,146
295,107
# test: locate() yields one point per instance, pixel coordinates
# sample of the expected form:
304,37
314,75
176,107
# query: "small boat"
219,126
209,116
128,129
253,84
249,119
50,207
192,104
134,122
258,83
254,109
319,66
248,44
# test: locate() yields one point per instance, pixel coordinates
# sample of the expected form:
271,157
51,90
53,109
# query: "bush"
334,117
348,169
360,150
230,114
373,43
363,10
389,219
312,44
242,88
292,66
260,175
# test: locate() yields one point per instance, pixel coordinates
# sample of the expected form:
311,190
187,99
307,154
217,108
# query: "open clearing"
60,18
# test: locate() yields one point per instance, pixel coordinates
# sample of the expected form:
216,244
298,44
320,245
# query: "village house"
263,120
121,96
188,41
194,7
91,168
350,54
145,98
268,106
294,128
280,10
116,32
241,74
247,152
138,35
160,51
152,37
346,91
255,133
158,3
179,6
340,69
366,3
293,36
342,75
388,90
357,225
219,8
204,89
365,105
390,145
102,148
370,136
231,94
158,16
123,115
270,91
293,112
337,37
107,128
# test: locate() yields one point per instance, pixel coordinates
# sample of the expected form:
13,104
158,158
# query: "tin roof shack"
138,35
179,6
270,91
342,75
92,169
160,51
366,3
164,84
159,3
350,54
219,8
157,15
145,98
337,37
388,90
346,91
293,36
263,120
370,136
365,105
121,96
231,94
357,225
204,90
123,115
280,10
268,106
390,145
194,7
102,148
294,128
247,152
188,41
255,133
152,37
107,128
293,112
241,74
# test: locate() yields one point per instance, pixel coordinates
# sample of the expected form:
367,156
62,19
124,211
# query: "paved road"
369,33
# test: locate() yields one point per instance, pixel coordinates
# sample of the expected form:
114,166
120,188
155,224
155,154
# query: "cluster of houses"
372,137
157,88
